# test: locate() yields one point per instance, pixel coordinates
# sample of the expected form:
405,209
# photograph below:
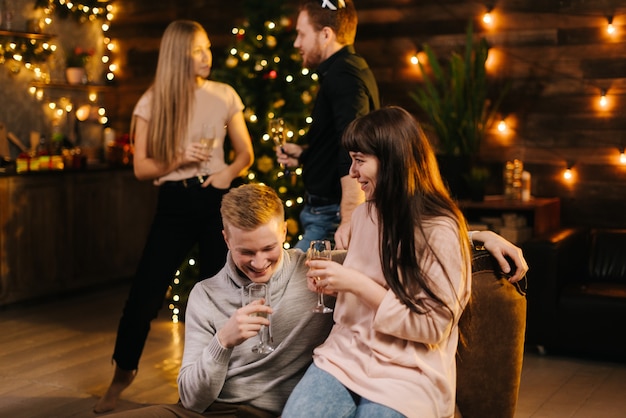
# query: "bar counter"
62,231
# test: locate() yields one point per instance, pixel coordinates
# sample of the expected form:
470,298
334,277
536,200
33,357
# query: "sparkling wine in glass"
320,250
277,131
260,291
207,140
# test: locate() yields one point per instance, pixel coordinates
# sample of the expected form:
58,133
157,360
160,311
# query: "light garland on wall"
84,11
604,103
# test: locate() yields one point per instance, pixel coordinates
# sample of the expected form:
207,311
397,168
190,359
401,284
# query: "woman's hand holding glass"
319,250
207,141
330,278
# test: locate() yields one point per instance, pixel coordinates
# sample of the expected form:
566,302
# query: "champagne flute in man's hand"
260,291
277,131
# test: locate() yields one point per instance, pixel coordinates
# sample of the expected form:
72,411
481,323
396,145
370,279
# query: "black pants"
184,217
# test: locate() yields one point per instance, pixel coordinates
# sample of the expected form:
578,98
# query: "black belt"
187,183
313,200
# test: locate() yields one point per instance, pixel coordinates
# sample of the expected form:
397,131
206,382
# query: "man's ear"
328,33
284,231
225,235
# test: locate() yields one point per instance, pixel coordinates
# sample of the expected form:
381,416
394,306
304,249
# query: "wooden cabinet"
70,230
542,214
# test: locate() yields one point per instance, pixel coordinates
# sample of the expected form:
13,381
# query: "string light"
604,101
610,29
568,174
488,17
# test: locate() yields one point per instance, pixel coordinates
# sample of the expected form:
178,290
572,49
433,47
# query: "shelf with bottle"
54,155
26,35
97,88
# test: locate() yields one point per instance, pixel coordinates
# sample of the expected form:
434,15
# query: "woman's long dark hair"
409,190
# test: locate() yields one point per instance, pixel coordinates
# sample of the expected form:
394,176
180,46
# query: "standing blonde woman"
168,123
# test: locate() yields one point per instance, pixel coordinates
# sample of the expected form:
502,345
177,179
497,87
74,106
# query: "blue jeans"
318,222
319,394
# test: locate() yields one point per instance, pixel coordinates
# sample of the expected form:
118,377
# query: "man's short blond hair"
249,206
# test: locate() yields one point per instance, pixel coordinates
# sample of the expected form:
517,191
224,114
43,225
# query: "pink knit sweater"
392,356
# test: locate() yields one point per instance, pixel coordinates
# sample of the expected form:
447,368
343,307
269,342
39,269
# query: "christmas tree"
266,70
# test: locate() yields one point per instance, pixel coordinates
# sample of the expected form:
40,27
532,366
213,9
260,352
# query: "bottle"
42,148
518,169
525,186
56,141
8,15
508,179
41,159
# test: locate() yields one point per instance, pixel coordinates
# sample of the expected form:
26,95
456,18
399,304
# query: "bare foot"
121,380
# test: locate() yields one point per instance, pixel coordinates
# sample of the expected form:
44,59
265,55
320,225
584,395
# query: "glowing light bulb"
502,126
622,158
488,18
603,99
567,174
610,29
415,60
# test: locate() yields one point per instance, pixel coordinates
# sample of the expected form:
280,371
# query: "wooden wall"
556,53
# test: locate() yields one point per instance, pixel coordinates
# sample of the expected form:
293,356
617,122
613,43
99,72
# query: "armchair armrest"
490,353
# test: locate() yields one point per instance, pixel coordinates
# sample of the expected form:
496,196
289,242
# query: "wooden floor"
55,362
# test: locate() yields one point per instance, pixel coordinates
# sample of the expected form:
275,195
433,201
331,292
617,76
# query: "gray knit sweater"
210,372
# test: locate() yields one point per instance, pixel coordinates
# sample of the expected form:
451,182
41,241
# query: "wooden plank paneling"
555,54
70,230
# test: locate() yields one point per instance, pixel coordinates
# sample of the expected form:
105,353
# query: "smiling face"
364,169
257,253
201,55
308,42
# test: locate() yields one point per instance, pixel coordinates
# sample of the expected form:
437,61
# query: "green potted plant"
454,98
476,181
75,63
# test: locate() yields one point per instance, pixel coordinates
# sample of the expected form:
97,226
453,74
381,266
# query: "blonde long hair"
173,91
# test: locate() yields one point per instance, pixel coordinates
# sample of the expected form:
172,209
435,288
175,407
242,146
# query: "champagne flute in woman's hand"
260,291
207,140
320,250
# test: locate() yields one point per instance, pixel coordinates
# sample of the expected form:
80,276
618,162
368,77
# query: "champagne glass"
207,140
277,131
260,291
320,250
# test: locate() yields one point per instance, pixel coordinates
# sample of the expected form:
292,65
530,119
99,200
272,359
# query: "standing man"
326,31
